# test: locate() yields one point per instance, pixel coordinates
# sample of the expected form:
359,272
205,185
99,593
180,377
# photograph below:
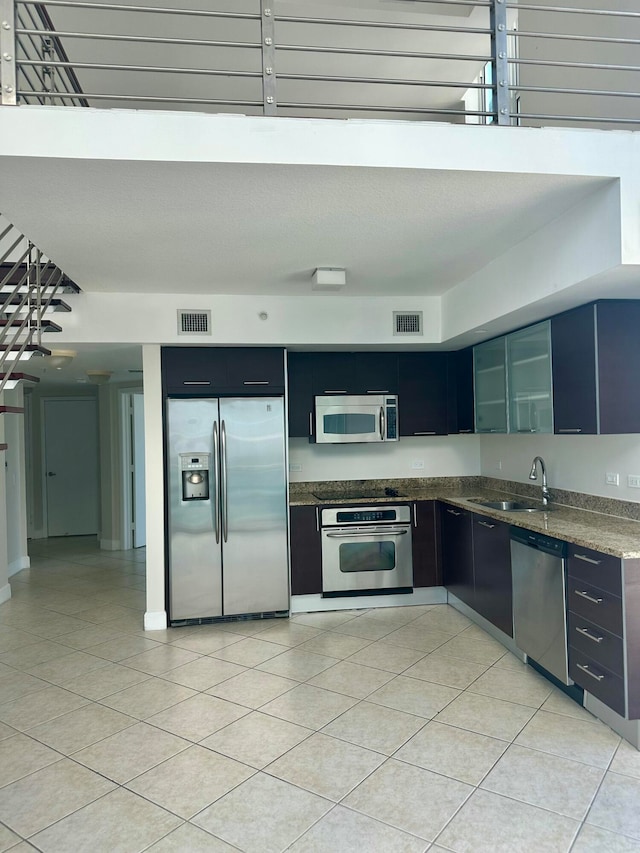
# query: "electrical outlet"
633,481
295,467
612,479
417,463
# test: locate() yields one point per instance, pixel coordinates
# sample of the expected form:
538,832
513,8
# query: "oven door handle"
366,533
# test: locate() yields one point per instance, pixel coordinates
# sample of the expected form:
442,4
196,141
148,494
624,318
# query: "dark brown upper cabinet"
460,391
223,370
422,394
300,372
596,364
354,372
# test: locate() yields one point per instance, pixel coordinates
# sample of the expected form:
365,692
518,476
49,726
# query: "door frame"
43,453
127,461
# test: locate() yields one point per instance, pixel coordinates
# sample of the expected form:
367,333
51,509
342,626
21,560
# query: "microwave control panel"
392,419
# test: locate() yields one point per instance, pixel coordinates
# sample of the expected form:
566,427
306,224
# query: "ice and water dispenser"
195,476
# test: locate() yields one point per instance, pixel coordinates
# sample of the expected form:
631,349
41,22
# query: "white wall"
5,589
442,456
14,456
155,617
580,244
576,463
315,319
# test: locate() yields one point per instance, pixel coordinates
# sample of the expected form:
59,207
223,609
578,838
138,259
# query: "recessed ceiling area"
225,228
123,361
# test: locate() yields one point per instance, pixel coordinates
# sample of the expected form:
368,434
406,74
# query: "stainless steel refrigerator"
227,513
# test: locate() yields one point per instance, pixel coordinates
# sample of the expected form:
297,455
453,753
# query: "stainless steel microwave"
347,419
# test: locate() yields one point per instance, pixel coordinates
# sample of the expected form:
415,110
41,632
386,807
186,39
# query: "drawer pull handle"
256,382
196,382
486,524
426,432
570,430
585,669
464,431
586,559
453,512
586,633
586,595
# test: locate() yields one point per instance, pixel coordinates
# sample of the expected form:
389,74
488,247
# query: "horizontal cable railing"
463,61
29,283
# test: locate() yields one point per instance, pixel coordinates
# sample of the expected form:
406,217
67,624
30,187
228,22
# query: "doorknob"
51,473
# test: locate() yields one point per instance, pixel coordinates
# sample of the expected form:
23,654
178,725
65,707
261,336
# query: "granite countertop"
601,531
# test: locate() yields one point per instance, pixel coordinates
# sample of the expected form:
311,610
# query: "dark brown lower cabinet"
306,551
492,572
426,565
603,596
476,564
457,553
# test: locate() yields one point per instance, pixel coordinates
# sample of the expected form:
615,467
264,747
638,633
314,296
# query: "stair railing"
23,307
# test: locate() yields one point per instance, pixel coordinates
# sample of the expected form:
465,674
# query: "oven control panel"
345,516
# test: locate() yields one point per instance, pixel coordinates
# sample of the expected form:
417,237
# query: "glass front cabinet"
490,384
512,382
529,379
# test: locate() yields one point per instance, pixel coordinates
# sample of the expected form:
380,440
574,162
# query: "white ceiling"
263,229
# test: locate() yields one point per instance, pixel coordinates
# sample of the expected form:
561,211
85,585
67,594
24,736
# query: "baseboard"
110,544
155,620
37,534
628,729
317,604
5,593
18,565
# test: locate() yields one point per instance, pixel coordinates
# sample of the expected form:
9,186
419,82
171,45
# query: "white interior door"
137,474
71,466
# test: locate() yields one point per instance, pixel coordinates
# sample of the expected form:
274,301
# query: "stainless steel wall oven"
366,549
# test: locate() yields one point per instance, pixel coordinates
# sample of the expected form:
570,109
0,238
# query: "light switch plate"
633,481
417,463
612,479
295,466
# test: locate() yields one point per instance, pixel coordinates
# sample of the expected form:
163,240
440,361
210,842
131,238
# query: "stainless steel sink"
511,506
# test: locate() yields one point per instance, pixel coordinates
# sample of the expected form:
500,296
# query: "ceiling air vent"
194,322
407,323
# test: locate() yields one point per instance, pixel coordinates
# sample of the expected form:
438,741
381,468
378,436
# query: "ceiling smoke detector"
328,278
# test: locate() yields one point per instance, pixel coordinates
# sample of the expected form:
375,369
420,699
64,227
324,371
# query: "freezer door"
254,505
195,561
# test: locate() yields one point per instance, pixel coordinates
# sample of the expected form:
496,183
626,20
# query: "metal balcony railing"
29,287
463,61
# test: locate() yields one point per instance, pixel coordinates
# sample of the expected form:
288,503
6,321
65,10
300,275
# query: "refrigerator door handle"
216,480
223,480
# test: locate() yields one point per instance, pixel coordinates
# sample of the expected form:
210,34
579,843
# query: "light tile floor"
397,729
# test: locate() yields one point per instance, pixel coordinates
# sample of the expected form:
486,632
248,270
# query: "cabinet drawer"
596,569
602,646
597,680
600,608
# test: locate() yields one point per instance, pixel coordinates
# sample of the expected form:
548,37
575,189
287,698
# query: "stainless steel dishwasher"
539,600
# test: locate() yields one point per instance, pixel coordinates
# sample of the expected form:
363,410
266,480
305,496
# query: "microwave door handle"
382,423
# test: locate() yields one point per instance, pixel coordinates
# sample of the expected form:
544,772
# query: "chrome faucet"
533,475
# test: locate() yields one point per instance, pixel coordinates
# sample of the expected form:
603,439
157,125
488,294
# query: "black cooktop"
357,496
